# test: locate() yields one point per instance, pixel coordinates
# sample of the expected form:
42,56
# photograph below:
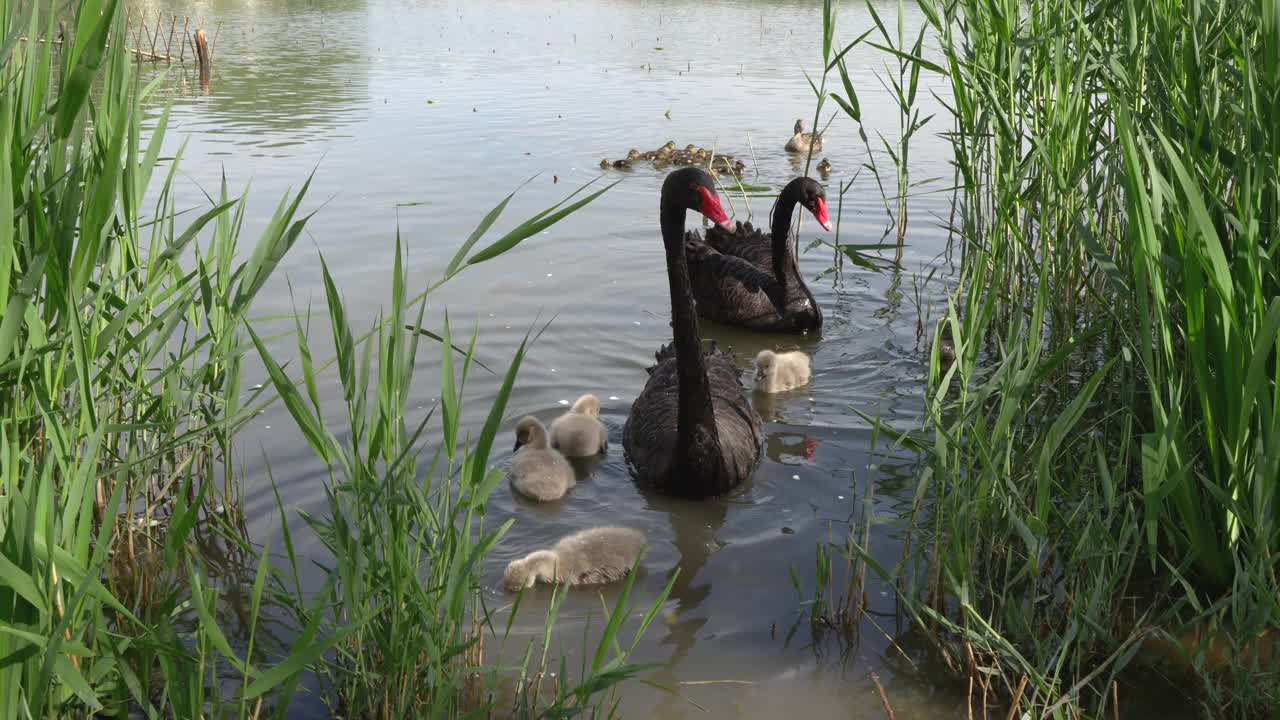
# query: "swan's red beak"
712,210
820,212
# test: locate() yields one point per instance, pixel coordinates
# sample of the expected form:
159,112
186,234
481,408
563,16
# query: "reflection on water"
419,118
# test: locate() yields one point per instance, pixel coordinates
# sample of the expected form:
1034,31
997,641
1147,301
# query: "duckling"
622,164
669,146
648,154
604,164
802,142
579,432
689,149
946,348
588,557
776,372
633,154
739,166
824,167
703,155
538,472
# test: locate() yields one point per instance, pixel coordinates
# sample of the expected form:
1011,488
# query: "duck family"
669,154
692,431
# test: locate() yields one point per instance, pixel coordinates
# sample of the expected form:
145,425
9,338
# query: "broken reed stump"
202,50
203,59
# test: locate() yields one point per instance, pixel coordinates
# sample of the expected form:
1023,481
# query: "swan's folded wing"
719,265
746,241
666,352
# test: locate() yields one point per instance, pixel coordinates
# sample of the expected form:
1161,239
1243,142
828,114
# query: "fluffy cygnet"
776,372
588,557
579,432
538,472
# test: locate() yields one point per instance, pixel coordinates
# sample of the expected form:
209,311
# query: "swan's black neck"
780,234
696,418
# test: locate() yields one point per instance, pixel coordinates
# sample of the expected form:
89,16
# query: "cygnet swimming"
579,432
588,557
776,372
538,472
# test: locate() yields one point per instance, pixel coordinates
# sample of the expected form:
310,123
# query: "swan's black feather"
691,431
727,294
650,436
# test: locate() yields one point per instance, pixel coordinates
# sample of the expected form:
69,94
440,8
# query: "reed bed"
123,343
1100,464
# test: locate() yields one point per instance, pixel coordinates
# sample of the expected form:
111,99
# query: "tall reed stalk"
122,343
1103,455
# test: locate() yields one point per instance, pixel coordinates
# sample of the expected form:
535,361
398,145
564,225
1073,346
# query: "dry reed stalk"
968,701
155,35
1017,699
214,42
62,612
883,697
984,700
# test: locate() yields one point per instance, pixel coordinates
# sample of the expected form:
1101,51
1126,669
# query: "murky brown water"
454,104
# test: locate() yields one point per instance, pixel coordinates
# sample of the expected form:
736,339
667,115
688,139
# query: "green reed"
122,347
1102,456
401,608
119,370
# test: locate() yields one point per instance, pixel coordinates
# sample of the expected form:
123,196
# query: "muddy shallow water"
423,116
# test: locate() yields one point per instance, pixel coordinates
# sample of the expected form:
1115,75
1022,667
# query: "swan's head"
694,189
529,431
766,365
799,128
526,572
812,197
588,405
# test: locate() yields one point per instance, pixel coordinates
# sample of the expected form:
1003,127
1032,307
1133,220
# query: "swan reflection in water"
695,525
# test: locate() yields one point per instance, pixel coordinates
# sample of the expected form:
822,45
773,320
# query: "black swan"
725,295
691,431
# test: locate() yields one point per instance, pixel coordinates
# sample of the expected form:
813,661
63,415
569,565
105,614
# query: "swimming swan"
778,301
691,431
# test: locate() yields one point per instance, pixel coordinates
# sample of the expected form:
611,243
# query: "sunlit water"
421,117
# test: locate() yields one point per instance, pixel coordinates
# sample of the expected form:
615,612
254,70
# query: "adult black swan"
692,431
725,296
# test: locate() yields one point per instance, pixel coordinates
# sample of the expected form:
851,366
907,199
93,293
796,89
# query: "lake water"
422,116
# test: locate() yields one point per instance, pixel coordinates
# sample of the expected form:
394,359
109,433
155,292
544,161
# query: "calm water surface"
422,116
